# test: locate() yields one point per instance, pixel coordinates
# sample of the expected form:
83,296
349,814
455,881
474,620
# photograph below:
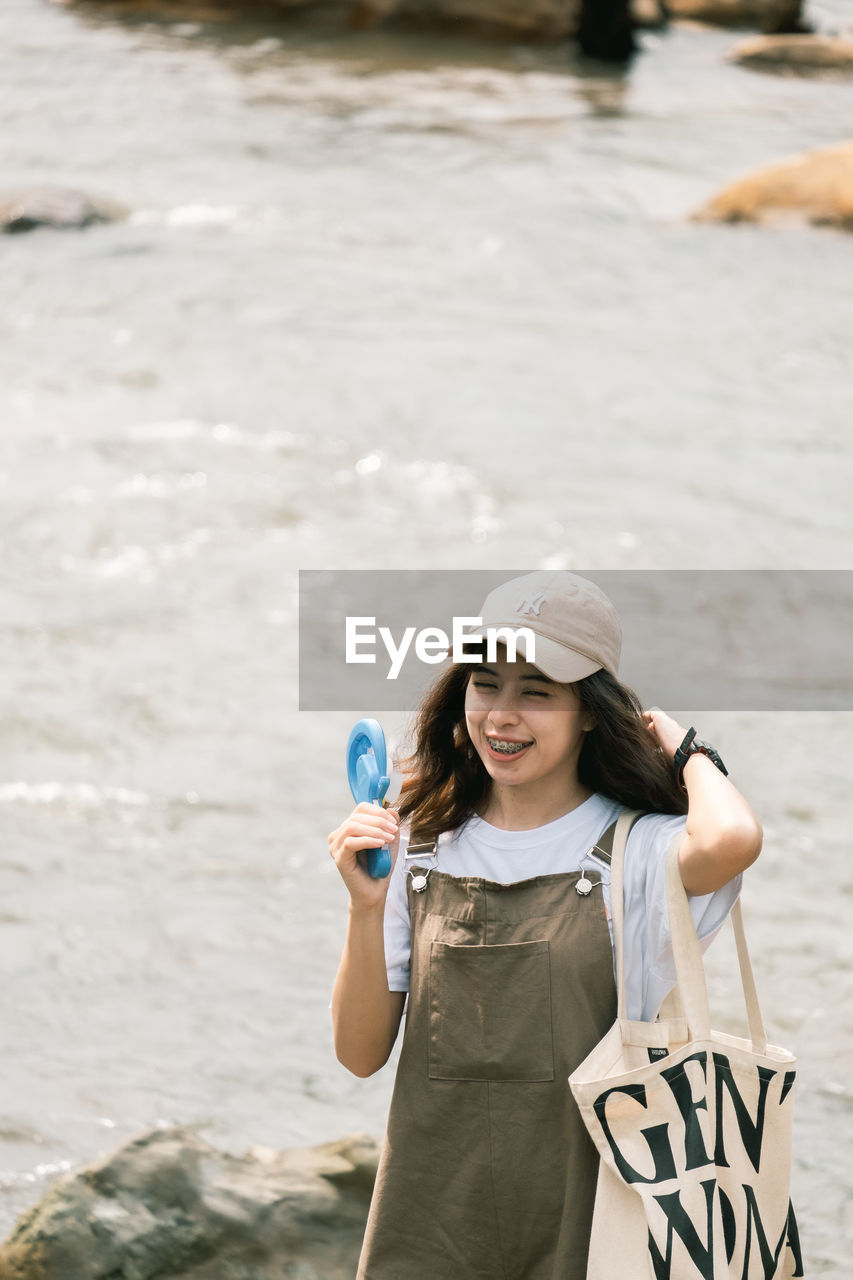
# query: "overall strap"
418,852
417,848
604,846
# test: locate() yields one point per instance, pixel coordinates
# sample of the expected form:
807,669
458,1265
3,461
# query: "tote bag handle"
691,990
690,971
627,818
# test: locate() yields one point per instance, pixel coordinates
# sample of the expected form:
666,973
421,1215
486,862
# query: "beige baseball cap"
576,629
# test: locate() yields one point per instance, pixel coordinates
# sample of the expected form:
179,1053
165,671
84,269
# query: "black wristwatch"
693,746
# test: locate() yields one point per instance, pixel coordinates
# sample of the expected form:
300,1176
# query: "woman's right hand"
369,826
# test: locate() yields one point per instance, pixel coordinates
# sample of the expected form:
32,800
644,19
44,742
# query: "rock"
53,207
767,15
814,187
803,54
546,17
169,1205
604,28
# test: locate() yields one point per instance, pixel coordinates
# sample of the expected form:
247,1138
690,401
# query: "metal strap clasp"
584,885
421,852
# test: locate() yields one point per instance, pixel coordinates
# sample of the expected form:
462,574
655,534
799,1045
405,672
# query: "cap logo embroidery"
532,604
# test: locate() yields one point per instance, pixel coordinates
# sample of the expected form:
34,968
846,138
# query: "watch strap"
693,746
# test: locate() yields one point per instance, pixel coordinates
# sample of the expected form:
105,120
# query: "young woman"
495,920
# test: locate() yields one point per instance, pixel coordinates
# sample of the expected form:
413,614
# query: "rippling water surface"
382,300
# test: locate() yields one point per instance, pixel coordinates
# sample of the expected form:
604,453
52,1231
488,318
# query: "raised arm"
723,834
365,1014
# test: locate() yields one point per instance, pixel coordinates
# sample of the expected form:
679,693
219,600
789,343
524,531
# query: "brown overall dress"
487,1172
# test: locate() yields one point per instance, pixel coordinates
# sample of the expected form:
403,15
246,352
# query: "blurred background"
387,298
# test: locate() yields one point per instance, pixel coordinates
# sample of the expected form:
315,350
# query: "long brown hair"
446,782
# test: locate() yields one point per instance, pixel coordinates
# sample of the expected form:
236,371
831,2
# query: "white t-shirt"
479,849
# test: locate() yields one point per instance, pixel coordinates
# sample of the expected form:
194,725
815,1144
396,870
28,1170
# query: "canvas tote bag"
693,1126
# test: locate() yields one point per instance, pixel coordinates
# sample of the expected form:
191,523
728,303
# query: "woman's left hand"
668,733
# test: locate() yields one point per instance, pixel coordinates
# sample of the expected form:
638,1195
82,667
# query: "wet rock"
815,187
766,15
801,54
169,1205
547,17
53,207
604,28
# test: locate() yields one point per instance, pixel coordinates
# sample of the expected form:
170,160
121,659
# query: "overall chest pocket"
490,1012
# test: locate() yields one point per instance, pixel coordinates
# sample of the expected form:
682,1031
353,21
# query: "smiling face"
527,730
